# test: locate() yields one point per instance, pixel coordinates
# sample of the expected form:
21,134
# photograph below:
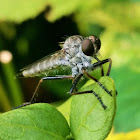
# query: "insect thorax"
74,55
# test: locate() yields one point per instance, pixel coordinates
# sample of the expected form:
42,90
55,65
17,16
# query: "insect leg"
102,70
99,63
75,83
109,68
24,104
39,83
97,82
48,78
96,95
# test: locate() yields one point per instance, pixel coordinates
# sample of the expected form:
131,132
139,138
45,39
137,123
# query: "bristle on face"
61,44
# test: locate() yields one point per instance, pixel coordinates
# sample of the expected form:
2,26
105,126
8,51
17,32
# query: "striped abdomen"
44,65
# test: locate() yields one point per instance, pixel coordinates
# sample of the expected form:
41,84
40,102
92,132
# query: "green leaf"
37,121
88,119
65,109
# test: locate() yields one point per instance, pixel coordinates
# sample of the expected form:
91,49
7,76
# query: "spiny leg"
109,68
39,83
97,82
96,95
48,78
99,63
75,82
24,104
102,70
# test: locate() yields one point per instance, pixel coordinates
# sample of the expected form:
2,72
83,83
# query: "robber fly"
76,54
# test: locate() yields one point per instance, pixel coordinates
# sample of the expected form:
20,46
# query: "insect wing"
39,61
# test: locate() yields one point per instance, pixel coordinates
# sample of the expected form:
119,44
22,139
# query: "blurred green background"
30,30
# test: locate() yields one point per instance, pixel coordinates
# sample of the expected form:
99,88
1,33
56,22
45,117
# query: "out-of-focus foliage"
117,23
133,135
18,11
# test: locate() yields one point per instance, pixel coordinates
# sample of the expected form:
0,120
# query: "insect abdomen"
43,66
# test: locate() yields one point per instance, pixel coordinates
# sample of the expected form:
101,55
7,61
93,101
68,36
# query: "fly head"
91,45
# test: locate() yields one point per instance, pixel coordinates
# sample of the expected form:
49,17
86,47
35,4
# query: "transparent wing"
41,60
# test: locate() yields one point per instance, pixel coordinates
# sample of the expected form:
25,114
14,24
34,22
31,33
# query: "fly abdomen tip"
19,75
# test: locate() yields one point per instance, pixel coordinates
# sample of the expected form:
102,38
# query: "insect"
76,55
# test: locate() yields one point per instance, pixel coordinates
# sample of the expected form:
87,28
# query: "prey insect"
76,55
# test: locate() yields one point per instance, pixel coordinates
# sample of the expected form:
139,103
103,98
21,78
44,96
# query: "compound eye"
87,47
98,43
